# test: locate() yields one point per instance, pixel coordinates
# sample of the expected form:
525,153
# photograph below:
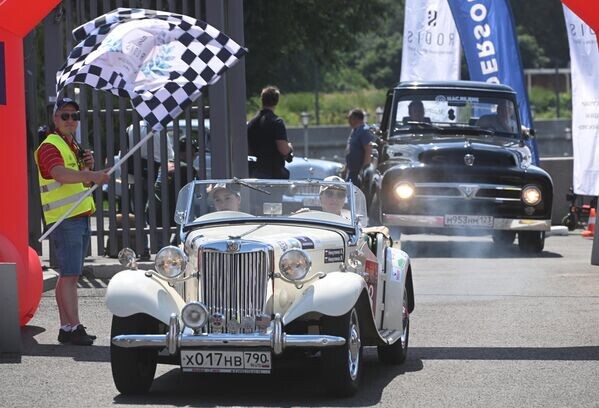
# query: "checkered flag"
161,60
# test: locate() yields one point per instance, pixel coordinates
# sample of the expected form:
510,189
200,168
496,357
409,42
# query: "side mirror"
526,134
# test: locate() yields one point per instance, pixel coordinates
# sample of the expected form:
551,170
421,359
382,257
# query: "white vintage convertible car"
256,277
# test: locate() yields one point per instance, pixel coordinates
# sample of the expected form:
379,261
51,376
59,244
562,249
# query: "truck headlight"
170,262
295,264
404,190
194,315
531,195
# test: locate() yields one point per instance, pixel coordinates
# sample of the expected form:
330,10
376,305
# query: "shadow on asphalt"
575,353
31,347
468,249
294,383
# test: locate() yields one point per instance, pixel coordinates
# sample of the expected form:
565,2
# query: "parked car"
251,282
461,166
304,168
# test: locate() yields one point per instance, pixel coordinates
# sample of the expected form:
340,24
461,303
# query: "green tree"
544,21
295,43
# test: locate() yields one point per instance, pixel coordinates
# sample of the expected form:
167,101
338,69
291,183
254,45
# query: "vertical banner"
431,45
488,36
584,56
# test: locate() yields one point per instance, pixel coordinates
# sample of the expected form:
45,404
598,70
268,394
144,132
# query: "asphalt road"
491,328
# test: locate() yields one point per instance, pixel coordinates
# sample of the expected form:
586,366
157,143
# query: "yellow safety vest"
57,198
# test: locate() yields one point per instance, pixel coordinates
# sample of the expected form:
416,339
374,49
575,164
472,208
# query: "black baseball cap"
60,103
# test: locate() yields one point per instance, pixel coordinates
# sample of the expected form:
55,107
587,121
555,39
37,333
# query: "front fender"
333,295
131,291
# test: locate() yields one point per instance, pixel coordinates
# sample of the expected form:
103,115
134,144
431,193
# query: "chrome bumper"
276,339
438,221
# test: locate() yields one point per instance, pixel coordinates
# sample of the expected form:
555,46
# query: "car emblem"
233,246
469,159
468,191
217,321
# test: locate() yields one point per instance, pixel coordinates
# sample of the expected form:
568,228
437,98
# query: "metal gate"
136,209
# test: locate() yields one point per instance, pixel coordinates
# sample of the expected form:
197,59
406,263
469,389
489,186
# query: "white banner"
431,44
584,58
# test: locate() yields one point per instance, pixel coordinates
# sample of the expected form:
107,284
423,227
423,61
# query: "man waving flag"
161,60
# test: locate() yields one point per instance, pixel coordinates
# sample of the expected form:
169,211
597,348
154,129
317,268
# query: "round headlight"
127,258
295,264
404,190
531,195
194,315
170,262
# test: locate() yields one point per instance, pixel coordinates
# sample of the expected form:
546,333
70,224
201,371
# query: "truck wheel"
531,241
397,352
342,366
503,238
133,369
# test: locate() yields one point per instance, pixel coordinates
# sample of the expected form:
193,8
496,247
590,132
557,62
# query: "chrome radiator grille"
234,284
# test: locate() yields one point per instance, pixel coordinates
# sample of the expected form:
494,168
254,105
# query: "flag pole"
95,186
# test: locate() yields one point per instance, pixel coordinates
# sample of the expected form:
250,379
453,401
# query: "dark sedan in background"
453,160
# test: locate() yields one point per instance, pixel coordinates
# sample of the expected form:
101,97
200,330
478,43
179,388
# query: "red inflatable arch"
17,19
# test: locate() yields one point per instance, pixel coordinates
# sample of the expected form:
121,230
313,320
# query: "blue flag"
488,36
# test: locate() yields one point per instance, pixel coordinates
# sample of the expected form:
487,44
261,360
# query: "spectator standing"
64,174
267,139
359,150
145,161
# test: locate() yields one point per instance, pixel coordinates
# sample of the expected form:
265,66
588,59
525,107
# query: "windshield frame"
187,225
435,131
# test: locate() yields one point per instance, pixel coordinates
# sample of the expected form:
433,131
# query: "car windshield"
213,201
447,112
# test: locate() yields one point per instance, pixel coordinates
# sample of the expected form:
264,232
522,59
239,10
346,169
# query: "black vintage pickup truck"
452,159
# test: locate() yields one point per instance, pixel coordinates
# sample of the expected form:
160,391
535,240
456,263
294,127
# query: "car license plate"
483,221
212,361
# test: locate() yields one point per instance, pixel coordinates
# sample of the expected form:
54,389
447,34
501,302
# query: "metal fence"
136,209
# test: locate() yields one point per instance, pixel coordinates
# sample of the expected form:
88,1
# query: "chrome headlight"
404,190
170,262
194,315
295,264
127,258
531,195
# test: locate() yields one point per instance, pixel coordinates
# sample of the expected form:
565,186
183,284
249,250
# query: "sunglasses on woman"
65,116
334,193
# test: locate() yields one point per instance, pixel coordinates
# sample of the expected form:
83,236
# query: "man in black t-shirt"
267,139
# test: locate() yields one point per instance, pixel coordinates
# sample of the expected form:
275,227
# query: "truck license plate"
212,361
482,221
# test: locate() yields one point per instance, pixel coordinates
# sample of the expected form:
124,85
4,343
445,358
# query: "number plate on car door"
230,361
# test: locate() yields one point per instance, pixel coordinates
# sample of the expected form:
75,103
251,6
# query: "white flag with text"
584,57
431,44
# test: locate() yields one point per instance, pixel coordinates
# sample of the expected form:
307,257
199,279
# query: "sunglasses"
336,194
65,116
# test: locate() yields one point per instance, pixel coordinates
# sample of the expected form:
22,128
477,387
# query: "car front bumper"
275,339
438,221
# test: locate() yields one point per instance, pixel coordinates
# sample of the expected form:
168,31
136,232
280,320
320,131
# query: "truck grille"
468,191
234,284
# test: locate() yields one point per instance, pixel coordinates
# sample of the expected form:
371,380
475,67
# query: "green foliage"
543,102
333,106
290,41
532,54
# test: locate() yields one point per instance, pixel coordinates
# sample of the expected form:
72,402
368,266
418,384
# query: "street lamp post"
379,115
305,117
